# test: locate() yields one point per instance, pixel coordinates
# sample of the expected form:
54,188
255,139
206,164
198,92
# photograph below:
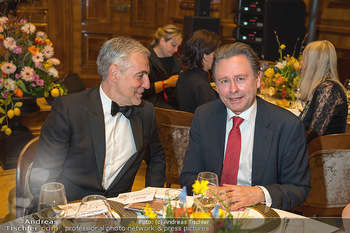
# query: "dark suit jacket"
193,89
280,156
71,148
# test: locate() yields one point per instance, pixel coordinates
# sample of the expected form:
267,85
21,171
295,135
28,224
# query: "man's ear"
113,72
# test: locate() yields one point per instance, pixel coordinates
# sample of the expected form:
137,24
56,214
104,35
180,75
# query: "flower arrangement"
181,218
283,77
27,67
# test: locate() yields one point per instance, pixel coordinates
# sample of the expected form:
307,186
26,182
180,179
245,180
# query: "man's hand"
240,197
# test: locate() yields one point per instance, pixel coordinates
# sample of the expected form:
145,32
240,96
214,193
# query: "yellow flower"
200,215
200,187
283,46
149,212
48,42
269,72
222,213
47,65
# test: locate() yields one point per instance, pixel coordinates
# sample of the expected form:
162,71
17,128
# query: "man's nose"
145,82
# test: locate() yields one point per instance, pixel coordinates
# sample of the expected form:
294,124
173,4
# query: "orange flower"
18,92
33,50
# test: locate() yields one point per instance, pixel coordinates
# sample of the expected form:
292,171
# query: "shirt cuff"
268,199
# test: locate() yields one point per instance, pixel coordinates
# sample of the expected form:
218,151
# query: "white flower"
3,20
39,57
28,28
281,65
53,72
27,73
10,84
41,35
10,43
8,68
55,61
48,51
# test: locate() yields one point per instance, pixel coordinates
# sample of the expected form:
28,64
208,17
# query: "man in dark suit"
273,163
89,146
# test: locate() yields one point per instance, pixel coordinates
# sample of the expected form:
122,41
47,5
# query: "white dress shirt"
247,129
120,143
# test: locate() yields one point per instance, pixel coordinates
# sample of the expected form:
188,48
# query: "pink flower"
17,76
5,94
17,50
23,21
40,82
33,85
38,64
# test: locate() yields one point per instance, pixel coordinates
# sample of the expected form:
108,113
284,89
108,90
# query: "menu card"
135,197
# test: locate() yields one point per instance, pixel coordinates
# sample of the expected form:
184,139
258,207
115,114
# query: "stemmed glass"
298,102
208,201
95,210
51,196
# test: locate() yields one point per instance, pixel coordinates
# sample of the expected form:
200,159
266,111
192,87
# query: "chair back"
173,129
329,159
24,166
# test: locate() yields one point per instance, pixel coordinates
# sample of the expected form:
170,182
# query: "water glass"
51,195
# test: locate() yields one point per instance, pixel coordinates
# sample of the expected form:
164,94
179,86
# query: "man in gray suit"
272,165
94,141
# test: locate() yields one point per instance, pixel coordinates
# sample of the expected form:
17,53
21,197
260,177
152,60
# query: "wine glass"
95,210
207,202
51,196
94,206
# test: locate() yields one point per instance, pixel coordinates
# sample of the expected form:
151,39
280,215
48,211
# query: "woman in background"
165,67
327,110
193,87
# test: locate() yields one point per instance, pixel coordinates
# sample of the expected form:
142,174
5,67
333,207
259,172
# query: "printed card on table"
135,197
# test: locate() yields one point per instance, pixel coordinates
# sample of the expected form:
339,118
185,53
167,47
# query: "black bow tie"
125,110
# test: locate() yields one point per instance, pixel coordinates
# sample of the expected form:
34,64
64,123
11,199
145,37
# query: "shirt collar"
106,102
248,115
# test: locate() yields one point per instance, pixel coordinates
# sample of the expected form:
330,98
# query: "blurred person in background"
327,110
165,67
193,86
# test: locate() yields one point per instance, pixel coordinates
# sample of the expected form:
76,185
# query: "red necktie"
233,151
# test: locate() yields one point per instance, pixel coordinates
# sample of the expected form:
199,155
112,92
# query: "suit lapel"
262,142
219,121
97,129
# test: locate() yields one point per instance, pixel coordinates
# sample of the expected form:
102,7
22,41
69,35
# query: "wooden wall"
78,28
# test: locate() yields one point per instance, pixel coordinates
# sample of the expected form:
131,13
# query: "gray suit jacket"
71,148
280,156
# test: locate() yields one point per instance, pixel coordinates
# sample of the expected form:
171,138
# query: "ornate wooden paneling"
91,44
96,11
143,13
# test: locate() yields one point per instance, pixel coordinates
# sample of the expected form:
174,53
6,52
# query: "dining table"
261,219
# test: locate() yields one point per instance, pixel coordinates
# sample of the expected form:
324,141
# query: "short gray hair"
235,49
118,51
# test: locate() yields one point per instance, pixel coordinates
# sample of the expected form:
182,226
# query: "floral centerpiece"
27,67
283,77
180,218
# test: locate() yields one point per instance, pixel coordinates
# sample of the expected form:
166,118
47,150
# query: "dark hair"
201,42
235,49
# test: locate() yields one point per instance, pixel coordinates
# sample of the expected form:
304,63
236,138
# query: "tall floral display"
283,77
27,67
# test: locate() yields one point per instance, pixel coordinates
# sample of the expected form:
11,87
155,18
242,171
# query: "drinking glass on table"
51,195
207,202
